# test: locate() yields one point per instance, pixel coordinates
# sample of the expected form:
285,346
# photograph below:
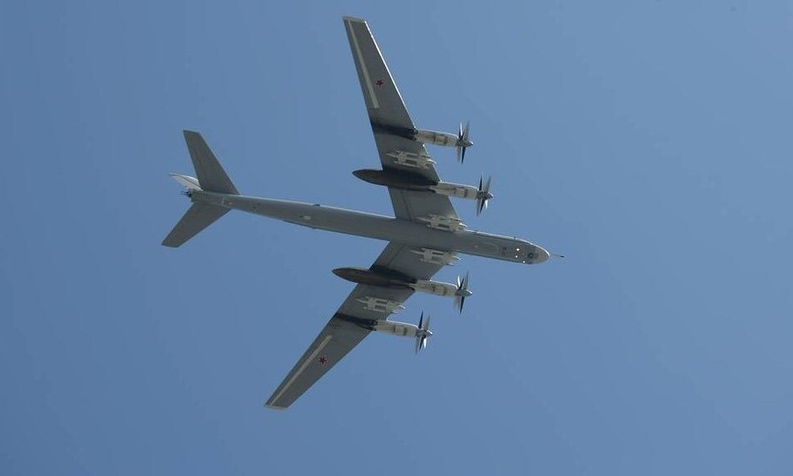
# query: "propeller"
483,196
463,142
461,293
423,333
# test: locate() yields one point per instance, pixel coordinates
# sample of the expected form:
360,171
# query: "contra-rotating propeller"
423,333
483,196
461,293
463,142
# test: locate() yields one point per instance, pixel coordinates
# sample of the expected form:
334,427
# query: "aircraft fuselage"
381,227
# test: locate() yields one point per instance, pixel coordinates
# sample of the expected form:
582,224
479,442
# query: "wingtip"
353,19
273,407
168,243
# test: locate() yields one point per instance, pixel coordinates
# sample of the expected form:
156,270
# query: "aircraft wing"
394,134
393,129
352,322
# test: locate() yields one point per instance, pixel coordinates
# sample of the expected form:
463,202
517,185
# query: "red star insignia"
379,82
322,360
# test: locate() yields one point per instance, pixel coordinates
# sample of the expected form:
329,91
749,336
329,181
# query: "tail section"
198,217
211,175
211,178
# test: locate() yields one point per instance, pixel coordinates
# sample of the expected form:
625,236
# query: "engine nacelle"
402,329
455,190
435,288
436,138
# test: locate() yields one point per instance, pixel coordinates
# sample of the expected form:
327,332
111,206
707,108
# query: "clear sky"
649,141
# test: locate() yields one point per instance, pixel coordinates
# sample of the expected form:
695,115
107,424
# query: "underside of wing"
407,261
337,338
393,277
393,129
355,319
382,97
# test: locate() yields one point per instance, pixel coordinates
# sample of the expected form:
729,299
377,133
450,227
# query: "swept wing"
393,132
348,326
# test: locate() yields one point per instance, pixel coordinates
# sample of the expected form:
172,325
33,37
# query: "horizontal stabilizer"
190,183
198,217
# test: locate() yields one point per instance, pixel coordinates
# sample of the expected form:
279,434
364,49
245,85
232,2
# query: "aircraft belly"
417,234
375,226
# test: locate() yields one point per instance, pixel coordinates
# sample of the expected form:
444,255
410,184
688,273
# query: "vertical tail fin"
211,178
211,175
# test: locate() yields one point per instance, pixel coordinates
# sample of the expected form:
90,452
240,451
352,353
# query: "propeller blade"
423,343
462,292
419,334
462,135
423,333
459,302
462,140
484,195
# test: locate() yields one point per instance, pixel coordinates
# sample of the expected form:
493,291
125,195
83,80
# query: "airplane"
424,235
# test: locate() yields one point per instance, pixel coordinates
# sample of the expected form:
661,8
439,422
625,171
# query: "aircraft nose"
541,255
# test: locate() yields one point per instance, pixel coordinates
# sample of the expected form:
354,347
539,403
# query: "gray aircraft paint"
424,234
380,227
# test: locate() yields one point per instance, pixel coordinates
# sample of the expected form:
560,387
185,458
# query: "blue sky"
649,141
